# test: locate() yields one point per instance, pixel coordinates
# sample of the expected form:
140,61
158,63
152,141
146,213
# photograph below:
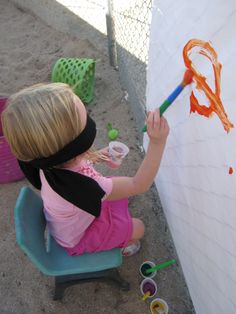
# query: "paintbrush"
188,78
160,266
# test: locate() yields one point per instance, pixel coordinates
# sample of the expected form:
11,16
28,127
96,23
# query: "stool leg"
60,287
115,276
111,275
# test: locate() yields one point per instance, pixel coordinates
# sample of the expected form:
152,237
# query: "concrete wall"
197,193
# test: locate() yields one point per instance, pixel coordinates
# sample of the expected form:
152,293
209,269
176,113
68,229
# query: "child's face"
82,112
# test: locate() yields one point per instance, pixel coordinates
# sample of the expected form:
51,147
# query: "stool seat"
63,264
50,258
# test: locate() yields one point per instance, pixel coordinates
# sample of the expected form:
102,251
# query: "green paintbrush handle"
157,267
164,106
162,109
169,100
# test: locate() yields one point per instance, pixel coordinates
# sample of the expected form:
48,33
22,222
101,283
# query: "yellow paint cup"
159,306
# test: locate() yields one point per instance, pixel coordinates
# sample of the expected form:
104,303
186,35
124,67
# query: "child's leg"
138,229
133,245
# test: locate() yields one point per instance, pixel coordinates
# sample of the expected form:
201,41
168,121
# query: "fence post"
111,35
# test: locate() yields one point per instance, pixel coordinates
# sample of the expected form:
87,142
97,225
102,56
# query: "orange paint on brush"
188,77
214,97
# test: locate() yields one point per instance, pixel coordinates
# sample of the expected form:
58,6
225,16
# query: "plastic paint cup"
144,266
117,151
159,306
148,285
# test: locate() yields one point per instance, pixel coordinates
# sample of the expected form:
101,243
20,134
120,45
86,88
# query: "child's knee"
138,229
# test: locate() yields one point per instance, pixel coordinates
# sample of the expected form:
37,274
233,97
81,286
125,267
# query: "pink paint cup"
117,152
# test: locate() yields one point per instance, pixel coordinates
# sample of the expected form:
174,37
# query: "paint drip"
215,103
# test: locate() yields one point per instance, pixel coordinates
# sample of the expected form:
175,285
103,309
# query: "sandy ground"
28,50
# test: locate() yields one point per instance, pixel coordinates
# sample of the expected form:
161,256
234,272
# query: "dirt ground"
28,50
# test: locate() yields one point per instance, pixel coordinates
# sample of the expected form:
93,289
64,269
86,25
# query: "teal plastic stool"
51,259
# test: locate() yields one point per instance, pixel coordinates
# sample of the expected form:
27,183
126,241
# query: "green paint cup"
145,266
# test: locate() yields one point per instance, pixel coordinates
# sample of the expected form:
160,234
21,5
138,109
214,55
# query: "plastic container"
159,306
9,168
144,266
78,73
148,285
117,151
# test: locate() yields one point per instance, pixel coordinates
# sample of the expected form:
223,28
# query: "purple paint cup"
148,285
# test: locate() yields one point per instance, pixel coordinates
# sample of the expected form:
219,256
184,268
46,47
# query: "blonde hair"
40,120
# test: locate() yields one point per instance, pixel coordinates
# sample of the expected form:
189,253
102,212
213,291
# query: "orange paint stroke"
214,97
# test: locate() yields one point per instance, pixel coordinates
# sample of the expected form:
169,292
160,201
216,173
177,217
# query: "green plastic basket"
78,73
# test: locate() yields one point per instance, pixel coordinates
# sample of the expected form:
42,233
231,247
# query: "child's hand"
102,155
157,127
108,159
105,152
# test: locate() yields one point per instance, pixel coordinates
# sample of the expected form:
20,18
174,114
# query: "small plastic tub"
117,151
148,285
144,266
159,306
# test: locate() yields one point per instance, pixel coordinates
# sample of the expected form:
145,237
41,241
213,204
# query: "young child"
51,134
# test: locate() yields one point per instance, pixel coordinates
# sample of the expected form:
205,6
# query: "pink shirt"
67,223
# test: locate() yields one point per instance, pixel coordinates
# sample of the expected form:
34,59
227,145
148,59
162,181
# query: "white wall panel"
197,193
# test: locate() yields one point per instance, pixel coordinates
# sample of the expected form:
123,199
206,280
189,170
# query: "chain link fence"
129,34
126,24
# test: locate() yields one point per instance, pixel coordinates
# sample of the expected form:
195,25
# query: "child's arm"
158,130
